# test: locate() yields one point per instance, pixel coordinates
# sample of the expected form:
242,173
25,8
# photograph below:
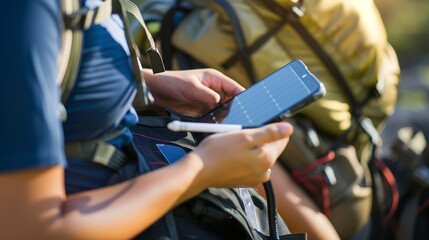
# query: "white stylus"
179,126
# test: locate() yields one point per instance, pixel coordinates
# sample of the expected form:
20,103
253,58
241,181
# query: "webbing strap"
239,38
76,19
87,17
407,221
123,7
84,18
103,11
98,151
133,9
154,55
143,94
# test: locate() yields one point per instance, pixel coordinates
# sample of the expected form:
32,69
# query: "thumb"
270,133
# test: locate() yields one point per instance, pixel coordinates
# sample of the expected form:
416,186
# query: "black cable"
272,210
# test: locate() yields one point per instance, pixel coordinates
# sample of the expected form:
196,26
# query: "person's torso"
101,100
104,89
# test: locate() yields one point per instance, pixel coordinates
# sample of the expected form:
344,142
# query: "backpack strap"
242,50
154,55
69,57
293,15
100,151
76,19
165,34
125,8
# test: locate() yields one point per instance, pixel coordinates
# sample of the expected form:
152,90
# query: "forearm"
135,205
116,212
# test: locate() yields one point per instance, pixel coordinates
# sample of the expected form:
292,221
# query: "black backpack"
408,159
216,213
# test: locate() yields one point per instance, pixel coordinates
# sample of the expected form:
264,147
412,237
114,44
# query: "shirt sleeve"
31,133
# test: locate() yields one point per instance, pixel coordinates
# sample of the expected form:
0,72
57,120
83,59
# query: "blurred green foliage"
407,28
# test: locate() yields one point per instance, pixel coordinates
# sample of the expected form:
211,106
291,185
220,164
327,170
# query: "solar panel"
267,99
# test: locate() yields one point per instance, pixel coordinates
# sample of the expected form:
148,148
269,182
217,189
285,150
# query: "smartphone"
279,95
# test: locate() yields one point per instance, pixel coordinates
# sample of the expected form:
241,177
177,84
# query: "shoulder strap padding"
70,50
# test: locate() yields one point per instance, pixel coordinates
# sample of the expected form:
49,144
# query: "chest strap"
99,151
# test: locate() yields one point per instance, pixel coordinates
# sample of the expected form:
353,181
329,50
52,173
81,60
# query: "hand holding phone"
278,96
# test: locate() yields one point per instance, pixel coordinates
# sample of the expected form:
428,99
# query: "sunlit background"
407,25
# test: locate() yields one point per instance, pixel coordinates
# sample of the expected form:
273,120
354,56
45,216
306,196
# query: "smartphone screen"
280,94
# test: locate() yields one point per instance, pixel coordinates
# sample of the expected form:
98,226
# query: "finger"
273,149
266,176
230,88
268,173
269,133
222,84
205,95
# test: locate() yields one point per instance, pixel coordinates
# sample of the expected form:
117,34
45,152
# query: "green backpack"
336,138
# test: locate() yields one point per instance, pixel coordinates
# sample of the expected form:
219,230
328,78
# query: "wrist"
192,166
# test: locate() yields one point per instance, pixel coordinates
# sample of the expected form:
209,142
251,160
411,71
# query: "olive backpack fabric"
333,154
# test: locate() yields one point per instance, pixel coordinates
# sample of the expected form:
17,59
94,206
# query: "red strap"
312,181
310,167
391,182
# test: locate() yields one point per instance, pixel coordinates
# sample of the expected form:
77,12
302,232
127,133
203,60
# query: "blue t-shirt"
30,132
100,102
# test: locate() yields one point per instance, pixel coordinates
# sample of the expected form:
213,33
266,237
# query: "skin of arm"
34,205
297,209
35,199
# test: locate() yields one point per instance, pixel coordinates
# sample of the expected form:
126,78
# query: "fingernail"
284,129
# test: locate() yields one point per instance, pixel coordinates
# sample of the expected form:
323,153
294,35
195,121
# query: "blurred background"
407,28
